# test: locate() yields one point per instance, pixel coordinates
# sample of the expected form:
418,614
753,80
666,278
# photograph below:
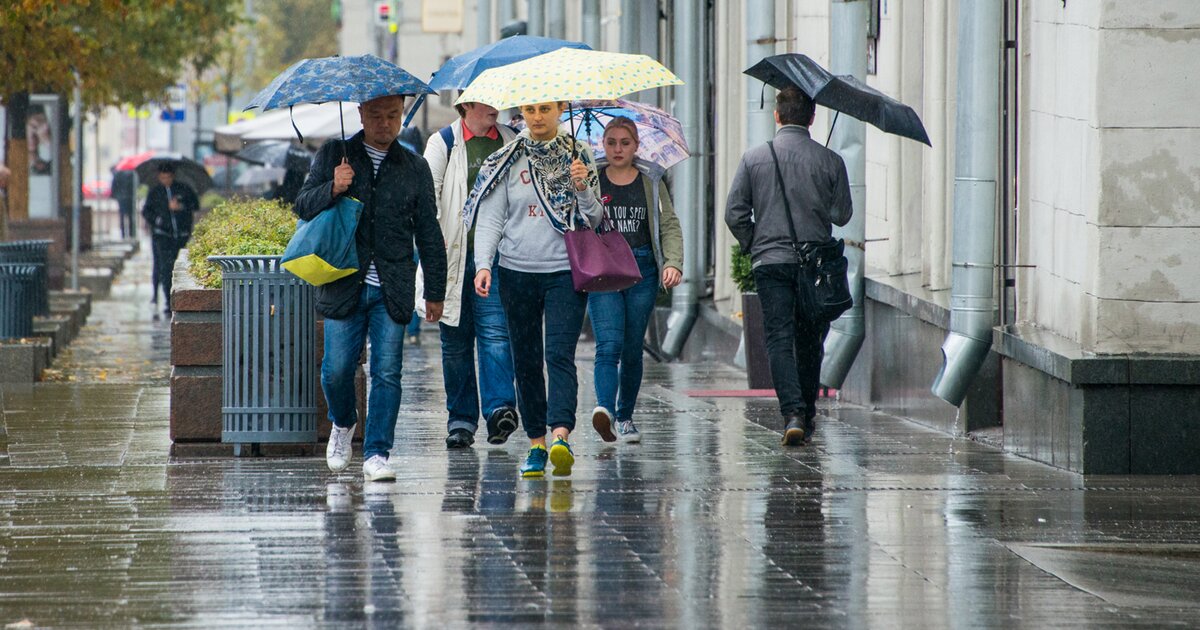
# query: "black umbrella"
844,94
276,154
187,171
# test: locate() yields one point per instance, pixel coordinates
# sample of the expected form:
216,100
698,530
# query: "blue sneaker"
535,462
562,457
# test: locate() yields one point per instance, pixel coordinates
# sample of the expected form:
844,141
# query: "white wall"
1113,143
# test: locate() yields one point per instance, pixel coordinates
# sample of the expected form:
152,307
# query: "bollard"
16,303
32,252
269,389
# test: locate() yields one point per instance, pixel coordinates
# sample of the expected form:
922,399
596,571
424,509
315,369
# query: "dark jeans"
481,324
529,299
619,319
125,217
795,341
165,250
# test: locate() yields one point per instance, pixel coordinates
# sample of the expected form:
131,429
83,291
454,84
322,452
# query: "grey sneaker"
339,449
628,432
377,469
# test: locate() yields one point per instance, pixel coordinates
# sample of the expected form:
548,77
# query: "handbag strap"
787,207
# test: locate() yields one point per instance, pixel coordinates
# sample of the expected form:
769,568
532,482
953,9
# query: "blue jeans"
619,319
529,299
481,323
344,340
414,325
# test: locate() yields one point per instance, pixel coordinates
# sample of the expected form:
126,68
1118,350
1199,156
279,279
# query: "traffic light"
383,13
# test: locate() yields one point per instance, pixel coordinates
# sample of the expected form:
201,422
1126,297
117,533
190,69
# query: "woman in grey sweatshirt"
527,196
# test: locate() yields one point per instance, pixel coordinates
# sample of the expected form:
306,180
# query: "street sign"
176,109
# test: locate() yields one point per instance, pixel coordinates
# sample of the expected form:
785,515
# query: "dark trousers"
166,250
126,218
795,341
529,299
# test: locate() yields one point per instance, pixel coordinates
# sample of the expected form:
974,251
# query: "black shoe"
810,428
501,424
459,438
793,431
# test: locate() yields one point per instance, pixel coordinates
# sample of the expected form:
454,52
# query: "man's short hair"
383,101
794,107
166,167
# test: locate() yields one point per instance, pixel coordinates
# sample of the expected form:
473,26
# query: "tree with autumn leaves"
120,51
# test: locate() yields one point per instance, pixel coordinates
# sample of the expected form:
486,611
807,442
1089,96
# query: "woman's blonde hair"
621,122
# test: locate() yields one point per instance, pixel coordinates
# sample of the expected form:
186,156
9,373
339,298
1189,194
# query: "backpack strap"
447,134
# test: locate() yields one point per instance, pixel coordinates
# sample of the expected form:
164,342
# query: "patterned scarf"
550,169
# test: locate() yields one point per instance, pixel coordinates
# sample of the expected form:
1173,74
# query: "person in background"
169,211
376,302
814,179
469,322
124,187
527,195
637,202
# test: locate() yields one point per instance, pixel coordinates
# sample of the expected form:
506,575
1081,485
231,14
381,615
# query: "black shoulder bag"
823,266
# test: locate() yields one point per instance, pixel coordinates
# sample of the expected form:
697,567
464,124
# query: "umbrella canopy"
187,171
131,162
567,74
844,94
260,175
317,122
276,154
660,135
347,79
459,71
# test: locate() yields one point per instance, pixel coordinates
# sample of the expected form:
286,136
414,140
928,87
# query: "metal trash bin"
16,299
34,252
269,369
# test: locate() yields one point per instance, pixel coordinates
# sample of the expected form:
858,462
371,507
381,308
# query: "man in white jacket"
455,154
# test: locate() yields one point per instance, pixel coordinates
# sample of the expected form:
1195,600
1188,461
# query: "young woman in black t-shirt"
637,202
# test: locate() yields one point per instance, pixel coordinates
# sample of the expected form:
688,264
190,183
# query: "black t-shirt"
627,208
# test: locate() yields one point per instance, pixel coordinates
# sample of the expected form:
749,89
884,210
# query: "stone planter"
196,364
758,365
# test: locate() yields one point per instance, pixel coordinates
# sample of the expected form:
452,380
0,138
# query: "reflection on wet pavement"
707,523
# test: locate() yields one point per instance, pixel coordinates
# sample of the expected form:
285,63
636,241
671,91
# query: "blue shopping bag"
322,250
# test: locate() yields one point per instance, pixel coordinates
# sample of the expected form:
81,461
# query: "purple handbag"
601,260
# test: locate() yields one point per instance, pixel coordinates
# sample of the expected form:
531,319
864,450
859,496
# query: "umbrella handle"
294,127
571,114
831,125
342,121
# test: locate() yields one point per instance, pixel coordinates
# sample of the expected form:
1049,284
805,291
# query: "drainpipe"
631,38
691,185
848,36
556,19
591,23
759,16
483,22
536,25
972,277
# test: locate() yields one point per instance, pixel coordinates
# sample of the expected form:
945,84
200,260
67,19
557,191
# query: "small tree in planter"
269,367
758,365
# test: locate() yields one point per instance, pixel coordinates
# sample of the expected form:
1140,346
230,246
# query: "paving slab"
707,523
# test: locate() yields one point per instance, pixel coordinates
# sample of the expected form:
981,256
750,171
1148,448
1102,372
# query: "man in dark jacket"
818,192
396,190
169,209
124,187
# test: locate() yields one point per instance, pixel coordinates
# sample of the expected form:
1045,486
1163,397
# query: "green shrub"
742,270
211,200
238,227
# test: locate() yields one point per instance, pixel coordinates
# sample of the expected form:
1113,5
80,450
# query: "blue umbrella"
352,79
325,79
459,71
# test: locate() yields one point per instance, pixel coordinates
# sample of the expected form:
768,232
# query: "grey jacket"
818,191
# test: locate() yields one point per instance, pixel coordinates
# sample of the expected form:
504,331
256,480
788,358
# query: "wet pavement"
707,523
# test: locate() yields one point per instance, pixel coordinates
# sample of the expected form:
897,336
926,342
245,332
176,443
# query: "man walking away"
455,155
169,210
123,190
375,303
818,191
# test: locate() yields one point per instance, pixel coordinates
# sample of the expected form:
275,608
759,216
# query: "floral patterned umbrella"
660,135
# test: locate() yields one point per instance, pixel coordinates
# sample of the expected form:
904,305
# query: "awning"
317,122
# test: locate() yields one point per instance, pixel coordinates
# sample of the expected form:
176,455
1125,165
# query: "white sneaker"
602,422
339,450
377,469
